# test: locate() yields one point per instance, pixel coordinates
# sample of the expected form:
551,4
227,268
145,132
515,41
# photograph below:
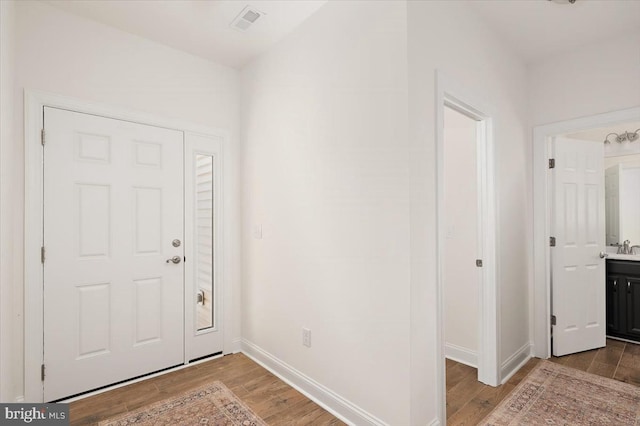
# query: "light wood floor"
269,397
618,360
469,401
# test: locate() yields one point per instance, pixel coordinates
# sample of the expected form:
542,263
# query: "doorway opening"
545,226
461,276
467,329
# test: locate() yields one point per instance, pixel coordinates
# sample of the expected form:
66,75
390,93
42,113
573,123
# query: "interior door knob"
174,259
603,255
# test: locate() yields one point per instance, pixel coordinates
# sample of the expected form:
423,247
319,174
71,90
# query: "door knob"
603,255
174,259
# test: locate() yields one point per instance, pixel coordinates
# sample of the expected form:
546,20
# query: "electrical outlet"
306,337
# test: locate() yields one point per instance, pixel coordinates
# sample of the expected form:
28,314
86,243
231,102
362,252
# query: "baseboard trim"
461,355
236,345
326,398
435,422
515,362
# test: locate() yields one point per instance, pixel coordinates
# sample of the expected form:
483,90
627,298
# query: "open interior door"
577,265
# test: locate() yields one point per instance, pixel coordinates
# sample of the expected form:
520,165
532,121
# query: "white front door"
113,205
578,225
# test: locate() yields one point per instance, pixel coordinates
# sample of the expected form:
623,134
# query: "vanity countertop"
612,254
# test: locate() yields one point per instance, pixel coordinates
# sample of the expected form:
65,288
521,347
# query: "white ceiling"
199,27
534,28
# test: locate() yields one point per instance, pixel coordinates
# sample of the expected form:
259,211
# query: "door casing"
450,93
540,291
34,102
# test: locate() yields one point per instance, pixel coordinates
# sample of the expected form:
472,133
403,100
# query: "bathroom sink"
612,254
634,257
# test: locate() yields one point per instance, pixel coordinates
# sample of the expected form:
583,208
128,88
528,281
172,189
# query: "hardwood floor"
469,401
269,397
618,360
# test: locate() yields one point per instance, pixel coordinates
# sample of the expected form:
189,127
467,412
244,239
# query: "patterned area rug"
212,405
556,395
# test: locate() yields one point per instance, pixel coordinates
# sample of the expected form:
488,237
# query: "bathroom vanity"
622,186
623,297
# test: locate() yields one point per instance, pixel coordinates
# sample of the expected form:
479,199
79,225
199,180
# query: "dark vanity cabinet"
623,299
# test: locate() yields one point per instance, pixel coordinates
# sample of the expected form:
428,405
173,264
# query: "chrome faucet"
625,247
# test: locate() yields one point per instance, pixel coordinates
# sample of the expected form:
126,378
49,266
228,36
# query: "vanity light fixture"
624,136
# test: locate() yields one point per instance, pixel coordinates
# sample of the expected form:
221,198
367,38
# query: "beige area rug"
213,405
556,395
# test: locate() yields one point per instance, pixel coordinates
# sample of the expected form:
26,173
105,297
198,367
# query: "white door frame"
451,94
34,101
540,294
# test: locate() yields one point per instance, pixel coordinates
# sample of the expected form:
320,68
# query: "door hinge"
42,372
552,163
42,137
553,320
552,241
42,254
479,263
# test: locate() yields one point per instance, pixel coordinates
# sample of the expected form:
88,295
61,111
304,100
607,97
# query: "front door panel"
113,204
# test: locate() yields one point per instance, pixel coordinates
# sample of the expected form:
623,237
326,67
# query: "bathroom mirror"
622,199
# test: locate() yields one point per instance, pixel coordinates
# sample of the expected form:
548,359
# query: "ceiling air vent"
246,18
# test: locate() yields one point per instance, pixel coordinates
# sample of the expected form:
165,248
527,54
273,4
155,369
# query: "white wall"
62,53
632,160
7,64
325,172
447,36
460,275
597,78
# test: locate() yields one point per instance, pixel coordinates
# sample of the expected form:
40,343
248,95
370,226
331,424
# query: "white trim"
34,102
450,93
236,345
435,422
541,289
462,355
33,313
200,343
515,362
321,395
